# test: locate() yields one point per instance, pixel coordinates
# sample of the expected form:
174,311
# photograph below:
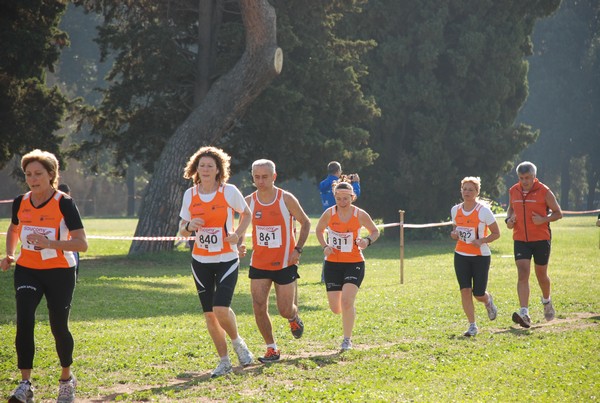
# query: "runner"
208,209
275,253
344,266
472,222
49,227
529,204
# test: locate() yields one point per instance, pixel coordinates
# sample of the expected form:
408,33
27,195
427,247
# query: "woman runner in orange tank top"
344,266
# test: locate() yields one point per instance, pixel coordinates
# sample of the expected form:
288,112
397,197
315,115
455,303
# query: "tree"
449,78
167,56
30,113
565,98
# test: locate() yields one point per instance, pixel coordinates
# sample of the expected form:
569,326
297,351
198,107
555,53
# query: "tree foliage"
449,78
315,109
565,97
30,113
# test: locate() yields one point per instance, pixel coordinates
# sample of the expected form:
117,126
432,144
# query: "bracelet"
506,220
298,249
370,240
187,227
325,247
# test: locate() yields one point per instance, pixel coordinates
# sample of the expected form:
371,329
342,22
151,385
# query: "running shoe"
524,320
22,393
271,355
346,344
244,355
492,310
297,327
66,390
549,311
471,331
223,368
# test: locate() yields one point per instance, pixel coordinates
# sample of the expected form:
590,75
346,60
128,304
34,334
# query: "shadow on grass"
190,379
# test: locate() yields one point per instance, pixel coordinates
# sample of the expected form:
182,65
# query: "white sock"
237,341
545,301
225,359
524,311
273,346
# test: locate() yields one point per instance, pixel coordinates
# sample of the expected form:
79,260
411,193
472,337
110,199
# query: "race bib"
210,239
269,236
342,241
27,230
466,234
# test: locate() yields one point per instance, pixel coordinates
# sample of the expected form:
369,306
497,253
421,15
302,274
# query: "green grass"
140,334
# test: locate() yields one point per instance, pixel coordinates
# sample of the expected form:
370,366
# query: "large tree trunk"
225,102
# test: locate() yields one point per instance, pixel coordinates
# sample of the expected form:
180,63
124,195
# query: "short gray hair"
264,162
526,167
334,167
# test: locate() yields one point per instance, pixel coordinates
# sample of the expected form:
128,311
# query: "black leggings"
30,286
472,272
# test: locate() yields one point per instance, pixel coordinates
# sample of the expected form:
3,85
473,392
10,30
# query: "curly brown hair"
222,159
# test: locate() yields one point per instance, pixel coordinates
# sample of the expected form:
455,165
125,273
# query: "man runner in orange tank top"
275,253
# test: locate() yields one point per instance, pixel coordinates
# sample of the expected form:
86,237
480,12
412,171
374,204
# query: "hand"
362,243
328,250
242,251
195,224
510,222
295,257
39,241
232,238
354,178
538,219
454,235
6,262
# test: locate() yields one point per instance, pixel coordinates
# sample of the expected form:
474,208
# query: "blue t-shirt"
327,198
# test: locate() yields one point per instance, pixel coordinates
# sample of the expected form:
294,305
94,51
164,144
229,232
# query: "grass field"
140,334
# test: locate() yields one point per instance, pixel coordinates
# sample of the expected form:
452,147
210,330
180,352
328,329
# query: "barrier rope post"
401,246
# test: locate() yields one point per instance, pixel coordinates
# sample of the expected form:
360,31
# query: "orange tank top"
49,221
524,205
341,237
272,237
469,227
209,238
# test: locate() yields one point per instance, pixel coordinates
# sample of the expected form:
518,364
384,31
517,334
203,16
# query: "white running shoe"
549,311
223,368
66,390
471,331
492,310
22,393
523,320
346,344
244,355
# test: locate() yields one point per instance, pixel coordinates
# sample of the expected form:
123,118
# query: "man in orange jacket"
532,207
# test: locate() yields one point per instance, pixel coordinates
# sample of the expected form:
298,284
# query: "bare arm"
365,220
12,239
320,230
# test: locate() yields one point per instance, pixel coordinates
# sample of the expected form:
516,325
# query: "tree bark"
226,101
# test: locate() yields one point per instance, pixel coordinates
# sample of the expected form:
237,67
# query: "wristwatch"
298,249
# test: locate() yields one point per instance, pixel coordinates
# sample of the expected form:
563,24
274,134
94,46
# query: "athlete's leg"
523,272
541,272
285,300
466,297
216,332
260,289
335,301
349,292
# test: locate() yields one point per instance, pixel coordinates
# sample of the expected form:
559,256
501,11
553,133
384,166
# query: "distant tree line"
413,95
